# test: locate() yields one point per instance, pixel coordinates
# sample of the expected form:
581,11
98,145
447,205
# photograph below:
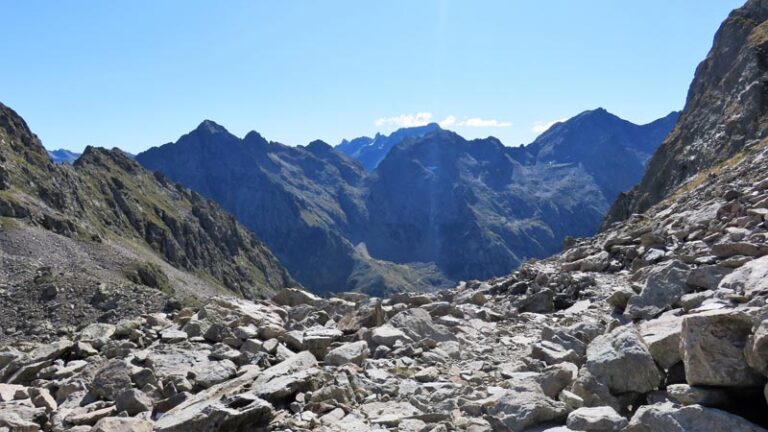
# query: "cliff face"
725,111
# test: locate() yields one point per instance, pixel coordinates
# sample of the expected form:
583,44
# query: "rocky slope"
656,325
436,209
105,238
725,110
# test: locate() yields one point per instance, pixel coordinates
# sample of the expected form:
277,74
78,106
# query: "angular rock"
122,424
662,335
712,345
388,336
708,276
354,352
705,396
111,379
749,279
417,324
294,297
523,407
663,288
596,419
318,339
611,356
237,413
133,402
666,417
756,351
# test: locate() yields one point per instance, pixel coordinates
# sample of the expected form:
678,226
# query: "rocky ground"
655,325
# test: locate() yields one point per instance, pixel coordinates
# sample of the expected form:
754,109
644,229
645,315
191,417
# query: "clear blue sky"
133,74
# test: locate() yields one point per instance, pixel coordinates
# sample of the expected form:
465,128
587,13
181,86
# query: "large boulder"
689,395
417,324
663,288
712,345
133,402
388,336
756,351
662,335
666,417
295,297
318,339
354,352
750,278
122,424
238,413
525,405
708,276
611,356
112,379
232,405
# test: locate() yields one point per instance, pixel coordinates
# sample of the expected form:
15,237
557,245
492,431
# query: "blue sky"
133,74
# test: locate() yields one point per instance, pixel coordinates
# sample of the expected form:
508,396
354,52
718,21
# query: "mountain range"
106,236
418,209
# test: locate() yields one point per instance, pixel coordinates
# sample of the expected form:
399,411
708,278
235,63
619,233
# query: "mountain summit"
426,208
725,111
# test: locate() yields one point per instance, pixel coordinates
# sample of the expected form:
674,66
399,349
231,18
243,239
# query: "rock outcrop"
105,239
725,112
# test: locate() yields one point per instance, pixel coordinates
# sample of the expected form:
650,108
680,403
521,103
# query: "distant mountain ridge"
725,111
371,151
108,239
433,209
612,150
107,195
63,156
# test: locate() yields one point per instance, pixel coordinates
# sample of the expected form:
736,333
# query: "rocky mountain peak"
726,110
211,128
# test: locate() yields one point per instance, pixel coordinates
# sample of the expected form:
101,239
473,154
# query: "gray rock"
712,344
663,288
122,424
97,334
705,396
417,324
666,417
708,276
318,339
111,379
750,278
427,374
662,335
295,296
756,351
388,336
524,406
133,402
610,356
596,419
354,352
728,249
239,412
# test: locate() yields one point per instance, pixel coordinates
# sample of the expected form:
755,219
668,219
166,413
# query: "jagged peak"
102,156
319,145
211,127
255,138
